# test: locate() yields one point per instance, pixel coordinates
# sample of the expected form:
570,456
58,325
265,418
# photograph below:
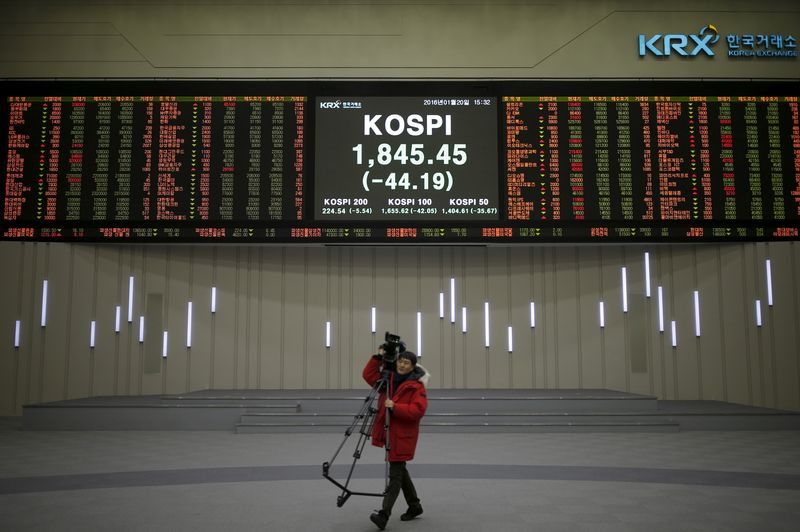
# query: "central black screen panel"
459,162
420,158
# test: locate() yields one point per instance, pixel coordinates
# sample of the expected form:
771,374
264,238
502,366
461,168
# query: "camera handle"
366,418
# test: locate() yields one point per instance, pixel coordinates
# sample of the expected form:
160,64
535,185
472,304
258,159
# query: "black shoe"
411,513
379,518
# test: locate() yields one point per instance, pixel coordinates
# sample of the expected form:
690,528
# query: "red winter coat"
410,403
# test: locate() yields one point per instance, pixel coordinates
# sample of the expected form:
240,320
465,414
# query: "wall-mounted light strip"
441,305
92,330
117,318
17,332
674,334
661,309
141,329
486,323
130,299
510,339
463,319
327,334
44,303
533,315
647,274
374,320
164,345
769,283
624,289
419,334
213,300
759,323
189,324
602,315
697,313
452,300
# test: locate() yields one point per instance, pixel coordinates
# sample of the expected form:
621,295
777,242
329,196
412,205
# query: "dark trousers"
399,479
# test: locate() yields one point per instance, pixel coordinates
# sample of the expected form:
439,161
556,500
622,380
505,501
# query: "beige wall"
379,38
273,302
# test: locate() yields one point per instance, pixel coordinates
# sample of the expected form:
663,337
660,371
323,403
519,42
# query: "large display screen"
400,162
390,158
652,158
122,160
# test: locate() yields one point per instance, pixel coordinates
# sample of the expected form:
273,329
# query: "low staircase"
480,411
464,410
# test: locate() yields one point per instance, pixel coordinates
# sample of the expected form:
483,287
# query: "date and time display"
395,158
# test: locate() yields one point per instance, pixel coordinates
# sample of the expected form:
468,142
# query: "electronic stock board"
375,162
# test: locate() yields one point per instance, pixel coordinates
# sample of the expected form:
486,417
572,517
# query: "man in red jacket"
407,401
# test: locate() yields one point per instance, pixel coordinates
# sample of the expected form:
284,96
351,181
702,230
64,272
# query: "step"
555,426
273,403
276,408
270,417
456,418
497,404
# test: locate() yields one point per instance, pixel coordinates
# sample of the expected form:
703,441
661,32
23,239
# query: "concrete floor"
210,481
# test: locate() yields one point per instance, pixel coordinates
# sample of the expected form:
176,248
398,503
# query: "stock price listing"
387,158
696,166
504,162
149,167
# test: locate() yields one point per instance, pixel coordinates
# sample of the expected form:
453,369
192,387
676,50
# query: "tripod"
365,418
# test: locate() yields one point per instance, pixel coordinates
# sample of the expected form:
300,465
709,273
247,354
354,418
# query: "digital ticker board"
389,158
449,162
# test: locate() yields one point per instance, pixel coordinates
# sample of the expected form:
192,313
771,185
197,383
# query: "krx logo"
330,105
661,45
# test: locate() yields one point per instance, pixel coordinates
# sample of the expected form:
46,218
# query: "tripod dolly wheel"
341,499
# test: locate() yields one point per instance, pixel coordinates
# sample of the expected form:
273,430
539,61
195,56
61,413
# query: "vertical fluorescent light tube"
130,299
624,289
213,300
374,320
44,303
17,331
141,329
117,318
758,313
463,319
452,300
602,315
92,329
696,313
661,309
441,305
769,283
647,274
419,334
164,346
510,339
674,334
189,325
486,323
533,314
327,334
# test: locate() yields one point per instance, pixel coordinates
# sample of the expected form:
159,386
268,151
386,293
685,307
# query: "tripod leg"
365,413
362,441
387,428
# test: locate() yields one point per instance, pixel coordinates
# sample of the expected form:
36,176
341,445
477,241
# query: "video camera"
392,347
